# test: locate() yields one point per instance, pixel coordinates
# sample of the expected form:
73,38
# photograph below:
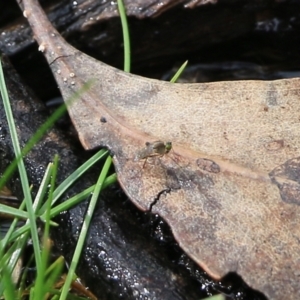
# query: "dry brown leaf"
229,190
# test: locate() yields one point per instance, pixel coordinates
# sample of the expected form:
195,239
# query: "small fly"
157,148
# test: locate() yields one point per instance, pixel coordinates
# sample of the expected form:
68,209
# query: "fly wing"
159,148
145,152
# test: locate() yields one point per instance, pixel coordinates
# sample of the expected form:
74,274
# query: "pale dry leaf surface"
230,189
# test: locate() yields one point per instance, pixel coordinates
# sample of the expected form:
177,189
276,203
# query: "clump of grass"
42,208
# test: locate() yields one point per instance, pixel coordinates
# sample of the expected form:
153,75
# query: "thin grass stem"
126,38
85,226
179,72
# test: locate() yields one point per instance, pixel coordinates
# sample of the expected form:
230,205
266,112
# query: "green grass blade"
4,242
42,285
8,286
58,263
19,232
216,297
21,167
9,260
43,188
15,212
179,72
79,197
85,227
12,234
73,177
126,39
